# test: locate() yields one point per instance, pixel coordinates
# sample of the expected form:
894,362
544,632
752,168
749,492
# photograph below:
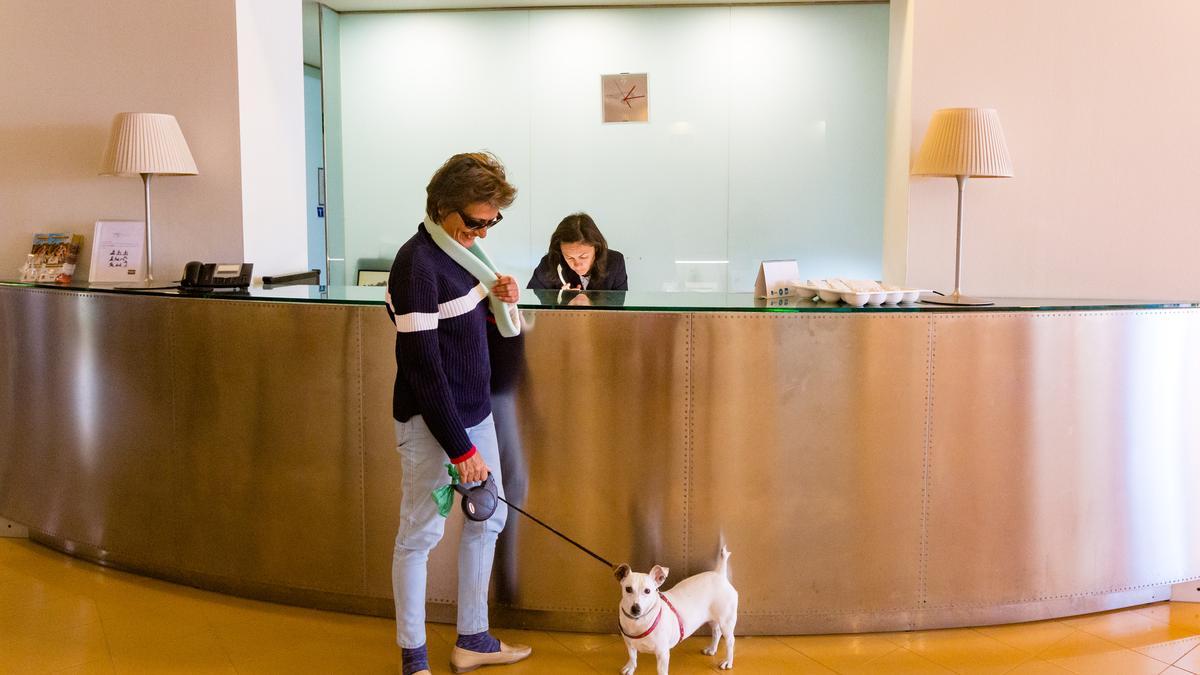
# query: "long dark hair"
579,228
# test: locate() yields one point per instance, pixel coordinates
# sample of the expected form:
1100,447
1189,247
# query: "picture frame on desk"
372,277
118,252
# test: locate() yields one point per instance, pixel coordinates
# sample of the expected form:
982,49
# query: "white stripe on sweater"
418,321
460,306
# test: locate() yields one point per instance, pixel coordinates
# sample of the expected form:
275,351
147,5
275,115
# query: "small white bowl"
802,291
894,297
828,295
855,299
876,298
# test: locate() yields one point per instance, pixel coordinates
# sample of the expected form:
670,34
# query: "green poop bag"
444,496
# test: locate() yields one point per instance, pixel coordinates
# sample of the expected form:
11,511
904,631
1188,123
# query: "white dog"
655,621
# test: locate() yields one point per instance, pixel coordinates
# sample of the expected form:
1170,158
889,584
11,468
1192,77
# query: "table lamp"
964,143
146,145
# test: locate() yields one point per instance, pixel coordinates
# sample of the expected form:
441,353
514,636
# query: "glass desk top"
637,301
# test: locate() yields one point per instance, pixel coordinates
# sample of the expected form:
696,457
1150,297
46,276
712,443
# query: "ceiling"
395,5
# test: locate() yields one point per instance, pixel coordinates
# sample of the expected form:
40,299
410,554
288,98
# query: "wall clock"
625,97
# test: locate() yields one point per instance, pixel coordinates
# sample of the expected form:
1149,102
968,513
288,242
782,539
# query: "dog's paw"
727,665
708,651
628,669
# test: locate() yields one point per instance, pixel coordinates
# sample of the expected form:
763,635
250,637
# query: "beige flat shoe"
462,660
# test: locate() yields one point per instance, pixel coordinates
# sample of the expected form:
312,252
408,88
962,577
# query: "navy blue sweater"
442,370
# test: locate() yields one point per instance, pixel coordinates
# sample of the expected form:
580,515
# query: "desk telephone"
216,275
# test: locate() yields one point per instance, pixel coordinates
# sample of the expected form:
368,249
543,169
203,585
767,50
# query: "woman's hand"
580,299
474,469
506,289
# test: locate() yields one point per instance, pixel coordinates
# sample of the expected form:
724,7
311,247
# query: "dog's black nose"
635,610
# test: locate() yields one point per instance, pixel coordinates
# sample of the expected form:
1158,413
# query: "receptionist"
579,259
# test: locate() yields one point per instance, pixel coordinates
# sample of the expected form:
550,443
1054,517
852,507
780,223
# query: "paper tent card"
775,278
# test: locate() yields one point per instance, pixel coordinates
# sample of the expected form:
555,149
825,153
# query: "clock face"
625,97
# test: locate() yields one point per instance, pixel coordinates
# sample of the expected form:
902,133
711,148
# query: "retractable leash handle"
479,502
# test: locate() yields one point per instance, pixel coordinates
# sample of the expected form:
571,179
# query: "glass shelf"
608,300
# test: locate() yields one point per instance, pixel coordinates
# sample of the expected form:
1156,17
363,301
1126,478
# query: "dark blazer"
615,278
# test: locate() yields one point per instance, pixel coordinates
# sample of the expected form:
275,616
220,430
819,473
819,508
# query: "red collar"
657,618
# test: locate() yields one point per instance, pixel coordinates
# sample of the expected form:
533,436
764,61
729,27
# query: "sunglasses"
477,224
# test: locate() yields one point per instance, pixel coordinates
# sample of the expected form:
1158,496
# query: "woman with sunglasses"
441,402
579,259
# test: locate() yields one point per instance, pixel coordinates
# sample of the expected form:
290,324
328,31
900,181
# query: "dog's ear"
621,572
659,574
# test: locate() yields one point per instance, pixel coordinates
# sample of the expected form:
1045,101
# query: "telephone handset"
216,275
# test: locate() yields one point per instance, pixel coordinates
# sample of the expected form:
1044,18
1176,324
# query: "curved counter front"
876,469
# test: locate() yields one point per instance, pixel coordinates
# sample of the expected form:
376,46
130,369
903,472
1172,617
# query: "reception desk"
871,469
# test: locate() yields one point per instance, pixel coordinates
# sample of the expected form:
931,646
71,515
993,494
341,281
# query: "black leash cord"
569,540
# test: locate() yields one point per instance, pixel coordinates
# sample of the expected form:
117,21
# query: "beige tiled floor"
60,615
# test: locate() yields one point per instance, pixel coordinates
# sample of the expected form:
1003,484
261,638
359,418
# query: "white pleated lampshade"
964,142
147,143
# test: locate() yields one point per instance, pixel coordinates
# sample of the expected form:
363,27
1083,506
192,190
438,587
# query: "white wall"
1100,106
67,67
271,106
899,141
766,132
231,74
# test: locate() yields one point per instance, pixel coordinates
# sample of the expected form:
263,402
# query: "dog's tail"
723,562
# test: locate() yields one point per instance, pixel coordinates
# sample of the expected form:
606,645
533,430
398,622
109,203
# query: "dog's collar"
648,631
657,618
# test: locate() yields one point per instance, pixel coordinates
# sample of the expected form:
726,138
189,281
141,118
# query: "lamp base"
954,299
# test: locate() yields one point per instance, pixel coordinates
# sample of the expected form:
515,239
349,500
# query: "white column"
271,109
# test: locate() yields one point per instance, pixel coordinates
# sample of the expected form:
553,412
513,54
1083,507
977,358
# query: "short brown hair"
468,178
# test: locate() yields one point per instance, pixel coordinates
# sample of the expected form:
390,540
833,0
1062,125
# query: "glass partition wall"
764,138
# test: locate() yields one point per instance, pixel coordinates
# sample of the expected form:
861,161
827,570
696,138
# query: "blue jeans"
423,463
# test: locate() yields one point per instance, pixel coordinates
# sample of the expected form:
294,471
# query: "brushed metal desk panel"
381,463
587,406
1060,462
382,477
885,470
268,442
87,419
808,441
602,417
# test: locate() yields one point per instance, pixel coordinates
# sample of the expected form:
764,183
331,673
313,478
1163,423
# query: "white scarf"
475,261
